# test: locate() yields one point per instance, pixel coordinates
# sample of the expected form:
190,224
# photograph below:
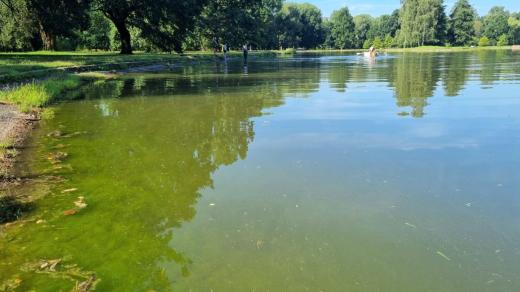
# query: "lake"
305,173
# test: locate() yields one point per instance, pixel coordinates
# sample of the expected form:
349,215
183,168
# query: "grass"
423,49
439,49
21,66
35,95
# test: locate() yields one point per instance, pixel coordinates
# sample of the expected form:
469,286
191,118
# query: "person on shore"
245,50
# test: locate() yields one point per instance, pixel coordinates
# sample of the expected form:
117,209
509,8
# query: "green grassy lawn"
19,66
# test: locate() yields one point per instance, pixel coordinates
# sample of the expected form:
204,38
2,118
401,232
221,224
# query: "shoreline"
15,127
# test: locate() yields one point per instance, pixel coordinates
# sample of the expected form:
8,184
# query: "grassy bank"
36,95
21,66
423,49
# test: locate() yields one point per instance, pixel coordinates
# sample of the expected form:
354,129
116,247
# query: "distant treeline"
178,25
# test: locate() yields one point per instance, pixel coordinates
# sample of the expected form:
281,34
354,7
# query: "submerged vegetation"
11,209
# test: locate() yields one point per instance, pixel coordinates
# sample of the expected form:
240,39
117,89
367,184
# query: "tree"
312,25
97,36
164,23
288,27
423,22
237,22
495,23
17,29
58,18
461,28
300,25
328,40
363,25
514,28
384,25
342,28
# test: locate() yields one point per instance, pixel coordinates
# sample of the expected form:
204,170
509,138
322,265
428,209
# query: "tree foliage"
461,28
495,23
363,26
343,29
164,23
177,25
58,18
299,25
17,30
97,36
423,22
514,28
236,22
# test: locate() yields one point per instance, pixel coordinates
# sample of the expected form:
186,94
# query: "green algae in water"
295,175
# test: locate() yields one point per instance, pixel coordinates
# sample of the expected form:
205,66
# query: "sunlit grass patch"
33,95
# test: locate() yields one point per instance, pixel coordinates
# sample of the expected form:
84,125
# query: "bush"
289,51
503,41
377,43
389,41
367,44
483,42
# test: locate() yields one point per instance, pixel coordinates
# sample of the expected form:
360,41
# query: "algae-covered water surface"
311,173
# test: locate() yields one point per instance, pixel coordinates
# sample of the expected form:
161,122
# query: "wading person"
245,50
225,49
372,52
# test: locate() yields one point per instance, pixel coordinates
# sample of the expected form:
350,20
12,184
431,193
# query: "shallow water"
319,173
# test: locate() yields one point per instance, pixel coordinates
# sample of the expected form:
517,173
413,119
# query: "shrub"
367,44
503,40
389,41
483,42
289,51
377,43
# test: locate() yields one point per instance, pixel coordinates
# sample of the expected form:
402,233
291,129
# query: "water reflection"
414,77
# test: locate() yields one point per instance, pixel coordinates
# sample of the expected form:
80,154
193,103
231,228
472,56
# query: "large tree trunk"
124,35
48,40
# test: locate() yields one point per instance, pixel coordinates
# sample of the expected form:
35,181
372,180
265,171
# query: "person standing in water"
373,52
245,50
225,49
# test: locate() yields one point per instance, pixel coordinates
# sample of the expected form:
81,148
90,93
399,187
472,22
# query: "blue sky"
378,7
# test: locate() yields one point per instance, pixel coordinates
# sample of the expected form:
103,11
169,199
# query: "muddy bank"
14,128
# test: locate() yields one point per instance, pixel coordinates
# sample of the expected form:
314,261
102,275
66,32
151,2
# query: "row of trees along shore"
179,25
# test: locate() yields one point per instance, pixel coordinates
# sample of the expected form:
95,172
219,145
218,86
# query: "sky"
379,7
